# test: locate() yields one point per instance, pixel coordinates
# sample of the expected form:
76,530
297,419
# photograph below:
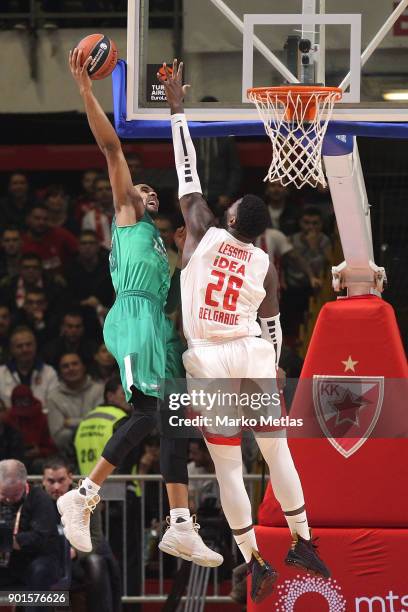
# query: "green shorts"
144,343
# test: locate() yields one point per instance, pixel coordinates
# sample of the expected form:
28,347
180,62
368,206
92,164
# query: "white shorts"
229,367
248,357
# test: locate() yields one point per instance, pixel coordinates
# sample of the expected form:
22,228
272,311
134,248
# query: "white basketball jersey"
222,288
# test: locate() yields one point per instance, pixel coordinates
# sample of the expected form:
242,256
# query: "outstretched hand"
173,86
80,71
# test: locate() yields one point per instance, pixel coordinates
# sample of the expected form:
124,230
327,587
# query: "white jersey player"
226,283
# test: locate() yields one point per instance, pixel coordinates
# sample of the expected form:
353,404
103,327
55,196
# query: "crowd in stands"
56,375
55,289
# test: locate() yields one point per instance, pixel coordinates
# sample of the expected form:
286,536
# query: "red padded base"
369,572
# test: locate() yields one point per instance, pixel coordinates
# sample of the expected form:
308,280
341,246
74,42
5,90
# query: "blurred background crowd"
55,287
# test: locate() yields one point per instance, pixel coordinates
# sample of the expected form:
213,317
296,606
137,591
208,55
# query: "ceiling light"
396,96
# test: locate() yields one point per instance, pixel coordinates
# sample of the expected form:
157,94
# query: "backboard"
230,45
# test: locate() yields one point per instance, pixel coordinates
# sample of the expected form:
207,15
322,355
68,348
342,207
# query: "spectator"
95,429
17,203
278,247
284,213
165,226
88,275
71,340
26,368
54,245
96,573
85,199
99,218
219,169
57,204
314,248
92,434
11,440
103,365
27,417
5,324
75,395
282,253
31,277
10,257
36,315
321,198
30,535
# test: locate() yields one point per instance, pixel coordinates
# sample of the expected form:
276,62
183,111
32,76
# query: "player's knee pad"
142,420
234,497
173,459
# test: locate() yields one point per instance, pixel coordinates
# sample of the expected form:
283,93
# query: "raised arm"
129,207
268,312
197,215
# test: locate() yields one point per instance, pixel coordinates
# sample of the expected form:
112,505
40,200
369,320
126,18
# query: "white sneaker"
182,540
75,510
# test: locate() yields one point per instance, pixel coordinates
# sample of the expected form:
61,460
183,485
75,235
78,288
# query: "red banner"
369,572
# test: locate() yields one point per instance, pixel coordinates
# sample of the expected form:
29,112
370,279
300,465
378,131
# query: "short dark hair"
20,329
53,190
72,313
252,216
56,463
11,228
65,353
111,386
30,256
37,206
36,291
311,211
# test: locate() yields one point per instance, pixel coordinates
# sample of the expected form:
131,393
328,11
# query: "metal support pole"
321,59
258,44
377,40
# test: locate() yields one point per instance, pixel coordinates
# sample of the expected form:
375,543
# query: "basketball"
162,72
103,52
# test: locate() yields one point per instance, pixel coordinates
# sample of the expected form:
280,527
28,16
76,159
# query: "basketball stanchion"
295,119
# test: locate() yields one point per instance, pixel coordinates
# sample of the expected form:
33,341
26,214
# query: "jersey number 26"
231,294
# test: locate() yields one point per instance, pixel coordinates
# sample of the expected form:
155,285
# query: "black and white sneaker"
263,577
303,554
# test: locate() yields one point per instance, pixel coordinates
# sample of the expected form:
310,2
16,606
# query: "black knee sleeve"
141,422
173,460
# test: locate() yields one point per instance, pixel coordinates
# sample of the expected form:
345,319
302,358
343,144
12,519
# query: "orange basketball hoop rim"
296,101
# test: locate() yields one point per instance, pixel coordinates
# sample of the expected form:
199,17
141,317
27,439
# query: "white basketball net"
296,127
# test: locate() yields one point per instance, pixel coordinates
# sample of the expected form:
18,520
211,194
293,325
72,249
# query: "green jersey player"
136,332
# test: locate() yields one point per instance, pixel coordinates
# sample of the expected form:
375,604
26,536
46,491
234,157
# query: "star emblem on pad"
349,364
348,408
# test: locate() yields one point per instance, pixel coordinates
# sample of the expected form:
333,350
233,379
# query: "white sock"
179,513
246,543
90,487
298,524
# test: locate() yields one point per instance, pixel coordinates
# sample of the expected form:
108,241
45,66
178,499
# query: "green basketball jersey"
138,259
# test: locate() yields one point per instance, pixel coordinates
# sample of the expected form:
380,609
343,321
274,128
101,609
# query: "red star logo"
348,408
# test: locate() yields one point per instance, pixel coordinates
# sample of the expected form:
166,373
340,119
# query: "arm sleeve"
185,156
272,332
